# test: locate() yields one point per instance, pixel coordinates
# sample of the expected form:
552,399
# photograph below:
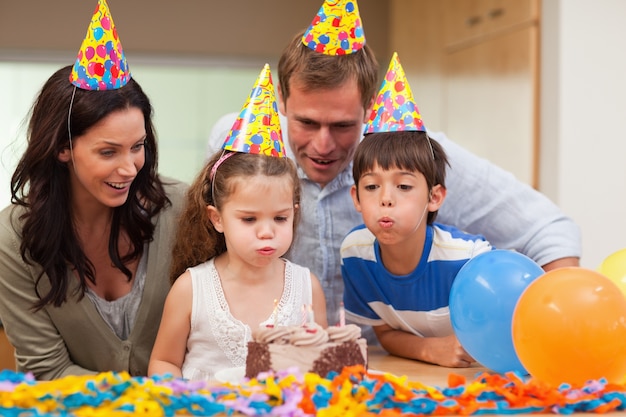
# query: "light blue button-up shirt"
328,214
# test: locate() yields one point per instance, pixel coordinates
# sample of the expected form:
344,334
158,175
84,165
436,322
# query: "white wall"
583,167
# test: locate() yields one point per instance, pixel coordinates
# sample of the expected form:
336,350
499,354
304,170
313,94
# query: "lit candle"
304,316
342,315
311,314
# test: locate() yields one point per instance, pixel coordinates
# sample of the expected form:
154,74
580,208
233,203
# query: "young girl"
240,214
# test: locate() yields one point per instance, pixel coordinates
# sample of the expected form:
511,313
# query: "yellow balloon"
614,268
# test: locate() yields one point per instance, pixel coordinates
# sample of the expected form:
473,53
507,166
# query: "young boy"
399,266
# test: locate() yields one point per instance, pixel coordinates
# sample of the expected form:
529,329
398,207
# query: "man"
324,101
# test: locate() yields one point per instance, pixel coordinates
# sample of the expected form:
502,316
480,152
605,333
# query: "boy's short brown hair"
409,150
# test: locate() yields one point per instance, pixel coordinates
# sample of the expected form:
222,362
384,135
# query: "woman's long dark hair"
41,184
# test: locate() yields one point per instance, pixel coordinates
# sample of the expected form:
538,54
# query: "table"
380,360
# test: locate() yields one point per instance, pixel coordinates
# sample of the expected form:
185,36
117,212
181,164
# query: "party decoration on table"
482,300
101,62
257,129
336,29
351,392
569,326
614,268
394,108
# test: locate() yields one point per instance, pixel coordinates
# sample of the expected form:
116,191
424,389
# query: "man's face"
324,128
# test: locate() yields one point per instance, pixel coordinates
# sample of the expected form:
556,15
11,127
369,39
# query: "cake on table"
310,348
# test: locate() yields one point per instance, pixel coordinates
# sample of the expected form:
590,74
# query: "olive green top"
73,339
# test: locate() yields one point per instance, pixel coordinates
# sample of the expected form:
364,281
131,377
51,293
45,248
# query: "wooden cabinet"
491,81
473,66
465,20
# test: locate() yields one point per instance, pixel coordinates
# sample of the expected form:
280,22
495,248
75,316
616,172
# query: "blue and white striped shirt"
416,303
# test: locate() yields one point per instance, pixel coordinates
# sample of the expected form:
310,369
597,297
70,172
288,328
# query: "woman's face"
107,158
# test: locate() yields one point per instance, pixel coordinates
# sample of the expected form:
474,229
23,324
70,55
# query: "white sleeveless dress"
217,340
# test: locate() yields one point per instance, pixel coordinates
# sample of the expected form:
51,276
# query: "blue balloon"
98,33
482,300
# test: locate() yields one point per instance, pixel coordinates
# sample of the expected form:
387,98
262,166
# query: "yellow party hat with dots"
101,63
257,129
336,29
394,108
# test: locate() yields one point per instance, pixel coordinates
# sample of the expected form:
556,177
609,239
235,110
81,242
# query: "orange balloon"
569,326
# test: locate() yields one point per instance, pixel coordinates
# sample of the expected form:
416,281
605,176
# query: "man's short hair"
313,70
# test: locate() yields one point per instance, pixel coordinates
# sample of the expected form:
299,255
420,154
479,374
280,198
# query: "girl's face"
395,203
257,218
107,159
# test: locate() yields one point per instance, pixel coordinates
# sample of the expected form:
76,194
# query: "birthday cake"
309,348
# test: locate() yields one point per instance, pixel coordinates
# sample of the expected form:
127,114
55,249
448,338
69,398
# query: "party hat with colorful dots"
336,30
394,108
257,129
101,63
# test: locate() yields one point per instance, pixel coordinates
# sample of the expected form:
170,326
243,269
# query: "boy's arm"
444,351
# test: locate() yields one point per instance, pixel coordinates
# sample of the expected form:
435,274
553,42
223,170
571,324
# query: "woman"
85,246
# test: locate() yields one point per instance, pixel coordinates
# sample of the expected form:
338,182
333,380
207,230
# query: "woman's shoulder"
167,218
11,228
10,217
175,189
